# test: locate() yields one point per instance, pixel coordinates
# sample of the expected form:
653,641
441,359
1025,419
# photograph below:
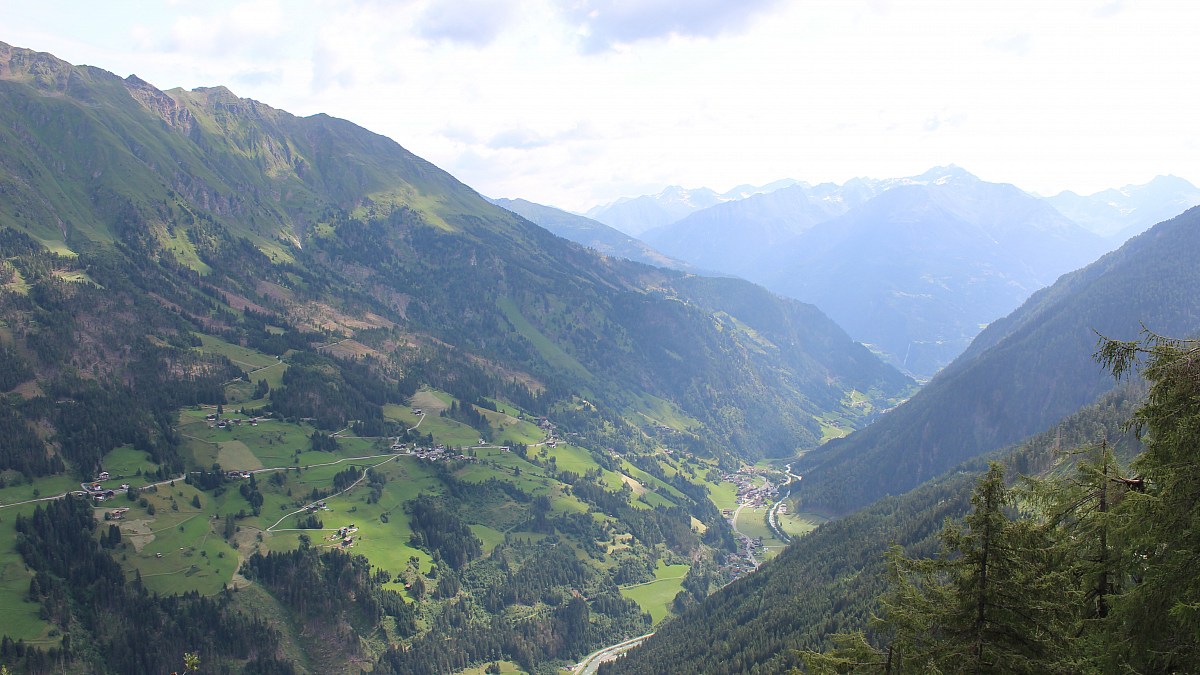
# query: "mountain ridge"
1027,370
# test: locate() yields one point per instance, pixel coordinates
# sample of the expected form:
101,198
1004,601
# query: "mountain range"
364,416
591,233
918,273
1026,392
1120,213
272,329
636,215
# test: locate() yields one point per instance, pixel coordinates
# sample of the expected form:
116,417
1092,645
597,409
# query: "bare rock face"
159,102
38,68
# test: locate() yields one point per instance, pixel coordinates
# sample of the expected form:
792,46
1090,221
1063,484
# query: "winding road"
590,664
773,514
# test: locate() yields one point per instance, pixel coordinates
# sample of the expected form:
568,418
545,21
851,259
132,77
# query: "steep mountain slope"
828,581
186,177
913,267
167,258
590,233
734,236
1022,373
918,270
635,215
1121,213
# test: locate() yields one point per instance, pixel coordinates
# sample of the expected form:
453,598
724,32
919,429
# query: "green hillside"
829,581
1023,373
193,283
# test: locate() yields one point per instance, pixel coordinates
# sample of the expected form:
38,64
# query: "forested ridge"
828,581
194,285
1096,573
1022,374
240,313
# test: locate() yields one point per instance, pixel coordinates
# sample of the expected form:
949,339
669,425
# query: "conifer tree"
1155,623
991,602
1080,510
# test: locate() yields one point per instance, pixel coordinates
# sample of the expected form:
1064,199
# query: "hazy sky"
577,102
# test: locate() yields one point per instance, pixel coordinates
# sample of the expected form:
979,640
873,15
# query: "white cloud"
469,22
604,24
574,102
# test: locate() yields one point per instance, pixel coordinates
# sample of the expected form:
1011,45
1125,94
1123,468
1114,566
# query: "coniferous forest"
1074,552
279,397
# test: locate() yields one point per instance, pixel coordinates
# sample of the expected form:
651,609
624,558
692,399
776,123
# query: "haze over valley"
283,392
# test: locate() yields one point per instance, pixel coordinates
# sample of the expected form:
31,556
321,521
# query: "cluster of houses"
438,452
215,420
742,564
96,489
750,550
748,493
345,535
551,431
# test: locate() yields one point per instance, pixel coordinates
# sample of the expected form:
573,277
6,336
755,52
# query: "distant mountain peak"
1119,213
942,175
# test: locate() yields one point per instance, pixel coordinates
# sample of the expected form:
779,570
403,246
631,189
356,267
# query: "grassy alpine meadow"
172,544
128,465
176,537
247,359
797,524
19,617
16,492
723,494
655,596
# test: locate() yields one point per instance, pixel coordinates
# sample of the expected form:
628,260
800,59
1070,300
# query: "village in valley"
262,483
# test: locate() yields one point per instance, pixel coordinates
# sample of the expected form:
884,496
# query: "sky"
575,103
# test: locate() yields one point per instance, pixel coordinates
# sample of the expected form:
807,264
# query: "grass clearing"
127,463
554,355
505,667
248,359
19,618
648,408
237,455
572,458
656,596
798,524
41,487
723,495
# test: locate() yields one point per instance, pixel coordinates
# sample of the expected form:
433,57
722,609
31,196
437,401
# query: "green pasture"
490,537
653,482
431,401
40,487
833,427
447,431
655,596
194,557
723,494
401,413
651,409
654,500
551,352
127,465
245,358
510,429
18,617
505,667
571,458
798,524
